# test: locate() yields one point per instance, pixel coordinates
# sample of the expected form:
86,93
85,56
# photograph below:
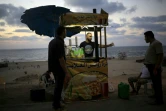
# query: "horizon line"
47,47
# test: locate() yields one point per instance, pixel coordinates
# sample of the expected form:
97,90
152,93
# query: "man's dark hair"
149,34
60,30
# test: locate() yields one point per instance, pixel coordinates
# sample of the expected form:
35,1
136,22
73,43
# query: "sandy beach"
22,76
16,70
19,69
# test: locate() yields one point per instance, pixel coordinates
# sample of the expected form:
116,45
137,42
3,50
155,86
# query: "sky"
128,20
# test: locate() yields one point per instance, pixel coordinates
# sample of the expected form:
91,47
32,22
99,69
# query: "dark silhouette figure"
153,61
57,65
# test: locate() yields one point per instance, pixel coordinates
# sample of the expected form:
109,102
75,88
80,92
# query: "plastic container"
123,90
37,94
104,89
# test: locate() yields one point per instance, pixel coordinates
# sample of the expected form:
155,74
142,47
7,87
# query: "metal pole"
96,41
100,43
105,42
70,42
85,35
76,41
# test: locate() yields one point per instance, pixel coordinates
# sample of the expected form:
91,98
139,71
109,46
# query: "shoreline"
15,61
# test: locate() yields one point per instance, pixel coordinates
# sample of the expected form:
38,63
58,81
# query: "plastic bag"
77,53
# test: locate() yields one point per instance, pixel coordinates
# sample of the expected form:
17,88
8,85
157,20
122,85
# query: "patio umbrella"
45,19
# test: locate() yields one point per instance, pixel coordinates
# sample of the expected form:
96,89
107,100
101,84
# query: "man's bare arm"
109,45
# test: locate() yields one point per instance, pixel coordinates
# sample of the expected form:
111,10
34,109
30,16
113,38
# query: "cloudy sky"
128,20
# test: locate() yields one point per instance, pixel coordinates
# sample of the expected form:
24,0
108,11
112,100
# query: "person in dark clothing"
89,46
57,65
153,60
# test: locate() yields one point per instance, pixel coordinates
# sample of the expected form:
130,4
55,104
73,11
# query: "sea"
41,54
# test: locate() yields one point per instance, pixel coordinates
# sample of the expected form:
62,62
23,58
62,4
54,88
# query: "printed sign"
84,19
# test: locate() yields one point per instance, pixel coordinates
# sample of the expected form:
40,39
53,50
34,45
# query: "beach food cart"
89,75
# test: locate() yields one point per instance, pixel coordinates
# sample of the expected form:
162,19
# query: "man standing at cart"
57,65
89,46
153,60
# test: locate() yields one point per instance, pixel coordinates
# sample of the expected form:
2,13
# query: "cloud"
150,23
153,27
127,40
16,42
132,9
160,1
116,32
113,7
9,33
116,25
133,40
17,38
115,28
22,30
110,20
11,14
123,20
150,19
2,23
88,5
2,30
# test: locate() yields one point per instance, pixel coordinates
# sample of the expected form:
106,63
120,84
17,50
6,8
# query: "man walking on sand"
153,60
57,65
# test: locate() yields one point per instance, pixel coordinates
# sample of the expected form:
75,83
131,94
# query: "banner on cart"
87,79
